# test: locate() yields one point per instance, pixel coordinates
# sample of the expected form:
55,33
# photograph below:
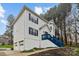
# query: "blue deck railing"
53,39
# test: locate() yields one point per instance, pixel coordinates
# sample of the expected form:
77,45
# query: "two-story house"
28,28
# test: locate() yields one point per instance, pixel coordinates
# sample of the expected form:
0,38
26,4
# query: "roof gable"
46,25
26,8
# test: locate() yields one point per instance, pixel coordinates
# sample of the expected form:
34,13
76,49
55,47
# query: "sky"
14,8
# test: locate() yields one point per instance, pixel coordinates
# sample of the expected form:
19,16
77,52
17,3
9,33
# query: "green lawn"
76,51
6,46
34,49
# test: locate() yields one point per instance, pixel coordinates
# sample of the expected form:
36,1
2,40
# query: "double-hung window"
33,19
33,31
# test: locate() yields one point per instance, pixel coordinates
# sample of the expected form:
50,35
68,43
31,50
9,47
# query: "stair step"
53,39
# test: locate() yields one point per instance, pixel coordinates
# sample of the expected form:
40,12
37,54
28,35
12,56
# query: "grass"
36,49
76,51
32,50
6,46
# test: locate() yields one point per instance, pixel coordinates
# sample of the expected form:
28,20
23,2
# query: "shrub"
3,43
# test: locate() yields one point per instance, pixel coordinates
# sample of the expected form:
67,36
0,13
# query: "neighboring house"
28,28
4,40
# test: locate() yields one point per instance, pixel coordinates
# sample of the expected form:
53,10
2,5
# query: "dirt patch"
44,52
2,54
55,52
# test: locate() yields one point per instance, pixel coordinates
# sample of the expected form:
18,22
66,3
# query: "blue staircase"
53,39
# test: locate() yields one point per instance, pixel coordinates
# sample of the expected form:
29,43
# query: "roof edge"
21,12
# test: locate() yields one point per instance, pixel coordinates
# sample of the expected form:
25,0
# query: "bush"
28,50
11,48
3,43
37,48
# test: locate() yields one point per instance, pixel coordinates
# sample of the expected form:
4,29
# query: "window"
36,32
30,30
29,16
50,27
34,20
50,23
15,43
33,31
21,42
37,21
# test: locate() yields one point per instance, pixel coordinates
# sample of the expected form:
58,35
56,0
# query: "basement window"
15,43
21,43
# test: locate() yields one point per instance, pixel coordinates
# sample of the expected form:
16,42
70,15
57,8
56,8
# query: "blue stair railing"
53,39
